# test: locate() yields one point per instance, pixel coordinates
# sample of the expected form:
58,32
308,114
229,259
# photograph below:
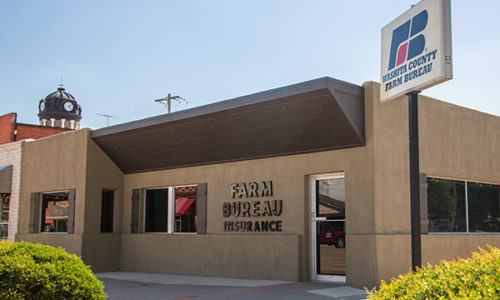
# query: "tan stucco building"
288,184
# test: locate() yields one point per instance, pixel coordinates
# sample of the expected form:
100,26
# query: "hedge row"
33,271
474,278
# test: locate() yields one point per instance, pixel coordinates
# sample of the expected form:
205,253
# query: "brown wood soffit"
318,115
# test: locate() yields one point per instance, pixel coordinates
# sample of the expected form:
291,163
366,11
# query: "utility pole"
168,101
107,117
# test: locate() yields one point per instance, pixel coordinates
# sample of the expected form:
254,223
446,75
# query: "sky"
117,57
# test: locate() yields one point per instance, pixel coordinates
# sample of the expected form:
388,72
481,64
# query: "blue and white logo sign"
416,49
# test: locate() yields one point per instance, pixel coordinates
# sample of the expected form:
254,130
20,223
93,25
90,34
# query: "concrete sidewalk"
149,286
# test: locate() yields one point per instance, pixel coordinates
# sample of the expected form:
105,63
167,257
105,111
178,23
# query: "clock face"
68,106
42,106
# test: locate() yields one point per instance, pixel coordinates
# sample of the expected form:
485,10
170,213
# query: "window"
185,208
156,210
484,207
107,210
171,209
462,206
4,215
54,215
446,205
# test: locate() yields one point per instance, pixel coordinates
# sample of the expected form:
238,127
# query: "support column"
416,243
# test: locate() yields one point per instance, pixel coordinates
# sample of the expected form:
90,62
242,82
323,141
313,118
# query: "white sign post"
416,50
416,54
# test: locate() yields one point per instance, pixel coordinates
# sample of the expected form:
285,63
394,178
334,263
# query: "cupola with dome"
60,109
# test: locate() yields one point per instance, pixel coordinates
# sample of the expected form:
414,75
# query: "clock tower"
60,109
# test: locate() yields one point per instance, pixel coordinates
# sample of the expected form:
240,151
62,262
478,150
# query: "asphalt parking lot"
146,286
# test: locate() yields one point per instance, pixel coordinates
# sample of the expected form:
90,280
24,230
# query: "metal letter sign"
416,50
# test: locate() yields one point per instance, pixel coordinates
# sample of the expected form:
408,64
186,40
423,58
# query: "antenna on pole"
107,117
61,84
167,101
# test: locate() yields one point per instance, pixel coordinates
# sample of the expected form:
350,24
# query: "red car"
328,235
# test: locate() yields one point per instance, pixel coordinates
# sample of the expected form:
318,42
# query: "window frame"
170,209
467,232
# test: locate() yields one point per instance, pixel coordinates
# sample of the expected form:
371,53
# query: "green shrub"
474,278
29,271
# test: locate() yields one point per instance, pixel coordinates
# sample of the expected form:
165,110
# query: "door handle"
320,219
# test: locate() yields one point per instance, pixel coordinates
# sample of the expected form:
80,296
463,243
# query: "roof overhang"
317,115
5,179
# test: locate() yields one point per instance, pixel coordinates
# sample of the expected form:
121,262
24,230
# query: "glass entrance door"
329,223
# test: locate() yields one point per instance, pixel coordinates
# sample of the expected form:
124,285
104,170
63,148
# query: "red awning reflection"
182,205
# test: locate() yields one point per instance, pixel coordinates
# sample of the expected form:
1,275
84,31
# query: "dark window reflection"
107,211
484,207
156,210
446,205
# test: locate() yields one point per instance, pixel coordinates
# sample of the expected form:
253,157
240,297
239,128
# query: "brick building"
11,131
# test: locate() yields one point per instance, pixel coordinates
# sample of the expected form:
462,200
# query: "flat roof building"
294,183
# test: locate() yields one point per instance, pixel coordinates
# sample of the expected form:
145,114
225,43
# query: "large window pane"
446,205
484,207
185,208
107,210
54,212
156,210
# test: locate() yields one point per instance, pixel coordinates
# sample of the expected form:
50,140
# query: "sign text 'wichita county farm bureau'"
248,202
416,49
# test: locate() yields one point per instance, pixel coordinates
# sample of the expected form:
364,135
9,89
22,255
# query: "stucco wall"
272,256
53,164
455,142
70,242
102,173
447,246
458,142
290,176
102,251
67,161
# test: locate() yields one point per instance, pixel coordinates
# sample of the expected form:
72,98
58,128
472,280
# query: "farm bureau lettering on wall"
245,206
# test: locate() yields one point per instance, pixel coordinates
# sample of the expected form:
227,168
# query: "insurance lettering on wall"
252,208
